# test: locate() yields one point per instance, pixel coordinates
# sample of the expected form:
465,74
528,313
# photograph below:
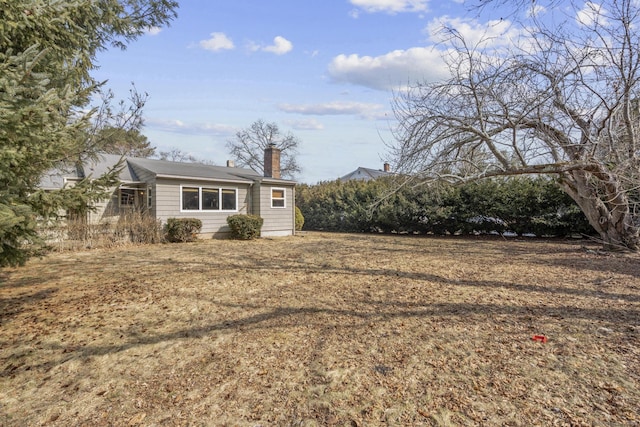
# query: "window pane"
228,200
127,197
190,199
210,199
277,198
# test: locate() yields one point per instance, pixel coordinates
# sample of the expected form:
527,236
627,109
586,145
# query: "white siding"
277,221
150,179
167,204
107,210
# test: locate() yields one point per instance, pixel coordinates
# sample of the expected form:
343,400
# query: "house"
366,174
165,189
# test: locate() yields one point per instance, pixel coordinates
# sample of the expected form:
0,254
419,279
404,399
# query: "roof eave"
269,180
200,178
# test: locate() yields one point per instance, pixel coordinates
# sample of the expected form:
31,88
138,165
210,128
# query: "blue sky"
324,70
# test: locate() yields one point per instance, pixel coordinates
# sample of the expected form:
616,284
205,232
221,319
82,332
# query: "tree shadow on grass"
394,274
361,310
373,311
571,253
12,306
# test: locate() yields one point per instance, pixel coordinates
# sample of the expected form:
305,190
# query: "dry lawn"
323,329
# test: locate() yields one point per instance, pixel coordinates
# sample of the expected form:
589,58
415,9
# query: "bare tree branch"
561,100
247,149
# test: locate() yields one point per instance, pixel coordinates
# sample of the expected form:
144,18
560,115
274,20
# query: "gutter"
209,179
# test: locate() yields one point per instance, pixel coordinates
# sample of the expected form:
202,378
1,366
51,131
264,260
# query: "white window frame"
182,187
149,197
208,187
283,198
133,200
235,202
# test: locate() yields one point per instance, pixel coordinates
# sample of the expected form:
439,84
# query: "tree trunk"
605,205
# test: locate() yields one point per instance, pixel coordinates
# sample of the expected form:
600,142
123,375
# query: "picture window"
209,199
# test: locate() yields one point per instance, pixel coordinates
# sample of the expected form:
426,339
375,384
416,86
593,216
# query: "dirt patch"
325,329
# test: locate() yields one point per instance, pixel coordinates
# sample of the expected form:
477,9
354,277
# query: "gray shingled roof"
166,168
161,168
104,163
56,178
365,174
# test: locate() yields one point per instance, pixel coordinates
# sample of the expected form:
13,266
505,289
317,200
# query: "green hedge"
299,219
520,205
245,227
182,229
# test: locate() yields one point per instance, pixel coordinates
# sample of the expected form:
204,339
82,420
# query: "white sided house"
165,189
367,174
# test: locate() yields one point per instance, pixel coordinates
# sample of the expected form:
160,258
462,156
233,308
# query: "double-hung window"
209,199
278,199
127,197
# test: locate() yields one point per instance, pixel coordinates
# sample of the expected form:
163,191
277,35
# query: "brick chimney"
387,167
272,161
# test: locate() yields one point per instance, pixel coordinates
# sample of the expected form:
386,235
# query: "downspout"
250,201
293,191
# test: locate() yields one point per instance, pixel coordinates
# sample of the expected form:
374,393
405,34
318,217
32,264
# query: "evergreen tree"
125,142
47,52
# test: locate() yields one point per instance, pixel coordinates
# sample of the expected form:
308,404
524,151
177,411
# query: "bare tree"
561,99
177,155
248,148
117,129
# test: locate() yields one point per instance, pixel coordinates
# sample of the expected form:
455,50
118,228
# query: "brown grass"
323,329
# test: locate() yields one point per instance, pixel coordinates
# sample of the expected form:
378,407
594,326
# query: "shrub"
245,227
299,219
521,205
182,229
137,227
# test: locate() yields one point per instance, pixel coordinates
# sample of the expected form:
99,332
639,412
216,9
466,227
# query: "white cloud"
592,13
389,6
361,109
178,126
217,42
305,124
536,10
499,32
401,68
280,46
153,31
393,70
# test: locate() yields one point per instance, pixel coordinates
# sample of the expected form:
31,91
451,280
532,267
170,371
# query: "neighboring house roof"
365,174
160,168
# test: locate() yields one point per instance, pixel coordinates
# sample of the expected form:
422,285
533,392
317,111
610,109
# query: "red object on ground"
540,338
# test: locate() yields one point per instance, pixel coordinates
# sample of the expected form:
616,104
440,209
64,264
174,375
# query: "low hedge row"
519,205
